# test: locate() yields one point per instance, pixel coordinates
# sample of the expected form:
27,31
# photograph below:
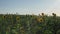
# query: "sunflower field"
29,24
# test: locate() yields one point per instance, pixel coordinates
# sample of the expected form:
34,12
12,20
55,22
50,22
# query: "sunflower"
54,14
3,16
42,14
40,19
17,18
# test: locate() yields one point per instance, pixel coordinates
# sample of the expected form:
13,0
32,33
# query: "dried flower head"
54,14
42,14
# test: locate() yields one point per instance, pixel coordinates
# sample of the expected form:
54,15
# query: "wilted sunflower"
54,14
42,14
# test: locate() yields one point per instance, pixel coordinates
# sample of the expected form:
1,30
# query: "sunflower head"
42,14
17,18
54,14
40,19
3,16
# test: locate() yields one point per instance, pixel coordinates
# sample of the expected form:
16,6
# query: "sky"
30,6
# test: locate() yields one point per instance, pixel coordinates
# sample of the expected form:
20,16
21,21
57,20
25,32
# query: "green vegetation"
29,24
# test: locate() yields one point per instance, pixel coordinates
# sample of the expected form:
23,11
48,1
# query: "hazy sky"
30,6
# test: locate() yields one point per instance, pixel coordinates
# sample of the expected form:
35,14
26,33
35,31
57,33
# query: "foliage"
29,24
